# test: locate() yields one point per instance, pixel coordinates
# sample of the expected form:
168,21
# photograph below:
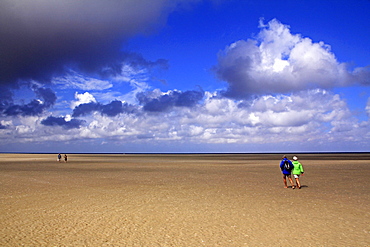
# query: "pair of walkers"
60,158
288,167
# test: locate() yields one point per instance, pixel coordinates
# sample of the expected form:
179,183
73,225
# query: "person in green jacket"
297,170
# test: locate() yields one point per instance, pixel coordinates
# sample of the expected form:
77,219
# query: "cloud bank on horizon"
65,77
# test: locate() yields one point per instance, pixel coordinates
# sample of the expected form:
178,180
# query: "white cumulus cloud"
83,98
278,61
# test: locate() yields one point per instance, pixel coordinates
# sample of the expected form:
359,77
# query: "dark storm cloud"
6,95
85,109
136,61
60,121
33,108
167,101
48,95
40,38
5,98
112,109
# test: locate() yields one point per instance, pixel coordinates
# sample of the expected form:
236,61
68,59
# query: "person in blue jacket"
286,167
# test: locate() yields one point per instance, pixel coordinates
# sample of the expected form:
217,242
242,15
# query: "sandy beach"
182,200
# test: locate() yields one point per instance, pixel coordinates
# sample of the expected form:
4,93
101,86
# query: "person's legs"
298,183
284,179
291,181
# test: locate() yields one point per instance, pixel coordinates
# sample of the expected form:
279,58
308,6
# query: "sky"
184,76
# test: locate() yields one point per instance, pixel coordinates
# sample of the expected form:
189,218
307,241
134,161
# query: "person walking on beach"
297,171
59,157
286,167
65,158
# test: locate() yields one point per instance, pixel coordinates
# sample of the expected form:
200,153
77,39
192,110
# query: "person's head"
284,157
295,158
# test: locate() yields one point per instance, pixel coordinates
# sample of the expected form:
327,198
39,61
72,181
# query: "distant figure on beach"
286,167
297,171
59,157
65,158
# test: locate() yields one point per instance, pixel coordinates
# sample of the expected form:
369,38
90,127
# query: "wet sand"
182,200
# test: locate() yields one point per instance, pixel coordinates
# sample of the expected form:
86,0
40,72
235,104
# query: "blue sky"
184,76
